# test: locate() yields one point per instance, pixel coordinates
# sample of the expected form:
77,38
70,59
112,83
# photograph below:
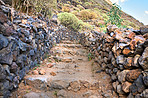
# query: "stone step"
68,42
73,52
69,59
70,45
67,84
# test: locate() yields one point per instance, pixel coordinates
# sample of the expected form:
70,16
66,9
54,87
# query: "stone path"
66,73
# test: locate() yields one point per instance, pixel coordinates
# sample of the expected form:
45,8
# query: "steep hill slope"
92,12
100,8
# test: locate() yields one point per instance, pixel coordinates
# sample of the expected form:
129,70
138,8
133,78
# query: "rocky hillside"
92,12
100,9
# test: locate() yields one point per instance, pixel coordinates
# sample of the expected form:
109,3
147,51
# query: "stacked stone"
23,44
123,54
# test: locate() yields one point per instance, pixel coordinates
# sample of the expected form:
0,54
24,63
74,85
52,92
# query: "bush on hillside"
85,15
93,15
70,20
65,9
35,6
115,15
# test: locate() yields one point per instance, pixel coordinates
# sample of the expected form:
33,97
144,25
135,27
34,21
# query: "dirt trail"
66,73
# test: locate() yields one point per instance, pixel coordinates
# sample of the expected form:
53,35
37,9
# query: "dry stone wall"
24,43
123,54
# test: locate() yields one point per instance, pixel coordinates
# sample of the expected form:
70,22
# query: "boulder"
126,51
135,60
122,75
137,86
32,95
125,86
145,78
74,86
6,56
133,75
144,30
115,84
143,60
128,62
21,60
57,84
3,17
3,41
120,59
119,90
62,93
13,67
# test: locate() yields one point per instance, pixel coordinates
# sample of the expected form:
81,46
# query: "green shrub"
70,20
93,15
105,17
87,14
115,15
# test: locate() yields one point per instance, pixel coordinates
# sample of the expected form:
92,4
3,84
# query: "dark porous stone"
22,74
22,45
1,44
31,53
4,85
133,89
8,31
113,77
10,77
2,73
6,56
13,67
146,43
3,17
140,84
145,78
3,41
130,96
115,70
7,69
5,93
143,30
139,49
143,60
21,60
137,86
